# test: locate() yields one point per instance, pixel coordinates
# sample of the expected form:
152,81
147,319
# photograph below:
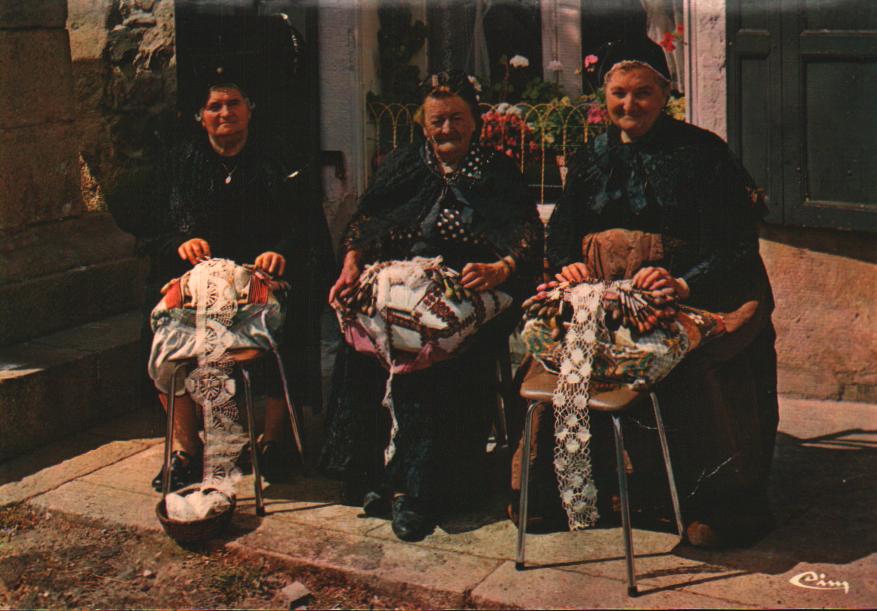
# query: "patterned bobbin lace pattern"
210,384
572,431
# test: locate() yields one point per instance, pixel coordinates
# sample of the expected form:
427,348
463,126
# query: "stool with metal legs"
243,359
505,386
538,387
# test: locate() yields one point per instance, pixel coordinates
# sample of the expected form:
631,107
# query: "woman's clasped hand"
196,250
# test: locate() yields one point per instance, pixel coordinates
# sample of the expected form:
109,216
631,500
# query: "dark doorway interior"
605,21
269,48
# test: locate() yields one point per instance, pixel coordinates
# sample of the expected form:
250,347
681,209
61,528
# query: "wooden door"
802,80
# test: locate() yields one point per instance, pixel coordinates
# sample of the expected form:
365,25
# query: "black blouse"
264,206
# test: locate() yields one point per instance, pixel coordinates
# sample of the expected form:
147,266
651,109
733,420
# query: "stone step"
58,384
59,275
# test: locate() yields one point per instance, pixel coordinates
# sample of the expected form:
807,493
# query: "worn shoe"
410,521
185,470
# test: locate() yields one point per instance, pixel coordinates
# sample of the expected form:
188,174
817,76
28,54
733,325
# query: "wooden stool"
538,387
243,359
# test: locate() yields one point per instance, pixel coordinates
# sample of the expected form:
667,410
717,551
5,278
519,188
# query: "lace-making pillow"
622,356
410,314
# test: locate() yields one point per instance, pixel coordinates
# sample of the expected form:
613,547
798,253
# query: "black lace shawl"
406,187
680,181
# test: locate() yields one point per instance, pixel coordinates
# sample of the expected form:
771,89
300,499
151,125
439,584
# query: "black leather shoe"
376,504
410,521
185,470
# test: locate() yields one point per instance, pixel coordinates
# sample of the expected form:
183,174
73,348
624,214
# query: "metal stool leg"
506,392
169,434
525,485
254,453
665,450
625,505
293,415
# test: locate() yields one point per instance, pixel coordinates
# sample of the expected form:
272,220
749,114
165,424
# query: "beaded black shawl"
408,185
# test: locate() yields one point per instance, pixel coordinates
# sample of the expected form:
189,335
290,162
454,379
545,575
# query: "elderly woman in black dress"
653,174
445,196
226,192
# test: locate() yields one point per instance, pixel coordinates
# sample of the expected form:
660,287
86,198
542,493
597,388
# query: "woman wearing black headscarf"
229,193
446,196
653,174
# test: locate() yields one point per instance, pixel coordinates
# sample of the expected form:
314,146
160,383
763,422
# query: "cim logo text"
817,581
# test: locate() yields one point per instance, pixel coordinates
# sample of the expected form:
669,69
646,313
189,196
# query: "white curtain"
480,63
664,16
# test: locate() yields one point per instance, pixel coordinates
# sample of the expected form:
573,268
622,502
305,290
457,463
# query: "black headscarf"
642,50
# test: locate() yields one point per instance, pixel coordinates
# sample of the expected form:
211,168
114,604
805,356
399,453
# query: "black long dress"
480,213
243,206
683,183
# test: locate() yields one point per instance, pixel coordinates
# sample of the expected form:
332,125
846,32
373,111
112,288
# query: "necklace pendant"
228,179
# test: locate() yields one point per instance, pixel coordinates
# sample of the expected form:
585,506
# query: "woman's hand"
484,276
574,273
547,286
661,283
350,273
271,262
194,251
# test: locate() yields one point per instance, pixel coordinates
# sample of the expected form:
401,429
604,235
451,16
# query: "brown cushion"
539,385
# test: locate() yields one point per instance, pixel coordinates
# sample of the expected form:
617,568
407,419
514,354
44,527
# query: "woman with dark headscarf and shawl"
231,193
680,188
445,196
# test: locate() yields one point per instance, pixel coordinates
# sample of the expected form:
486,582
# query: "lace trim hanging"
211,386
572,431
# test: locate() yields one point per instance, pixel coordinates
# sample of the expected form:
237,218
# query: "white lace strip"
210,385
572,431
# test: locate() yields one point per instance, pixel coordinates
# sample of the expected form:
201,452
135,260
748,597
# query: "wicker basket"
197,530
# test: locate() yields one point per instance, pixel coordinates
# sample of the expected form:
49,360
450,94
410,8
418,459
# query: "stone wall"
58,267
124,72
823,280
826,320
37,182
65,358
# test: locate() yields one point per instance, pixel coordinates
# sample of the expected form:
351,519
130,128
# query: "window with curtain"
474,35
606,20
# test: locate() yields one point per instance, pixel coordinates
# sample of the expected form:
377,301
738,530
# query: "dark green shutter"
802,89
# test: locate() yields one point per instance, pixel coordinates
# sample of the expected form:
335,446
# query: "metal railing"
539,137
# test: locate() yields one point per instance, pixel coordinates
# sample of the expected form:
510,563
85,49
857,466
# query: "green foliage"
519,84
538,91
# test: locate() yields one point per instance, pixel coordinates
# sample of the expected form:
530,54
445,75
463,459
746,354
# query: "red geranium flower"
668,42
590,62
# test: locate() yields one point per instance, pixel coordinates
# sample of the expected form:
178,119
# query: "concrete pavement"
822,491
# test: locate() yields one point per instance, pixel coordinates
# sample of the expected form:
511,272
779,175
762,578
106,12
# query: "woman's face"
635,99
448,124
225,114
